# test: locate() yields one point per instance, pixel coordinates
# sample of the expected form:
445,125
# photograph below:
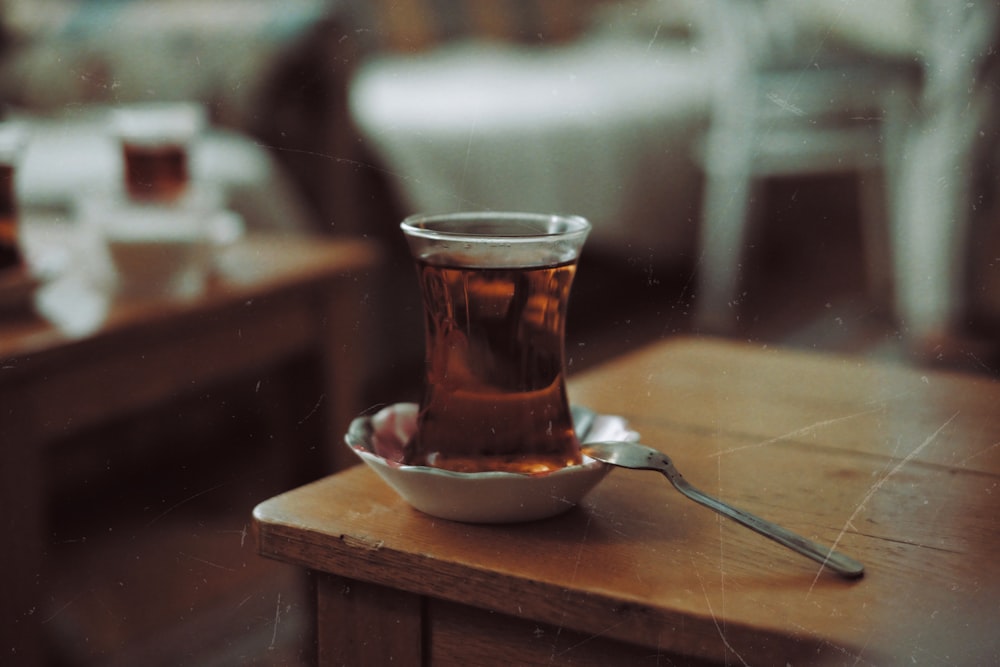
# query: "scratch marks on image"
277,620
182,502
720,627
805,430
879,483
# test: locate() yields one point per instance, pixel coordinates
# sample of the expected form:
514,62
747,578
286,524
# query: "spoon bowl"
635,456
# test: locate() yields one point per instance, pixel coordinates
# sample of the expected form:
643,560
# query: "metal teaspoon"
639,457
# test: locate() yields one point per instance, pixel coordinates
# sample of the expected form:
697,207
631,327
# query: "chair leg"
723,236
930,227
876,237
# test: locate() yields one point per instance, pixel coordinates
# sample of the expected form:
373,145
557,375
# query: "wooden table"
897,467
272,298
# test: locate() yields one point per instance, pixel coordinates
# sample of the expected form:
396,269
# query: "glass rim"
536,226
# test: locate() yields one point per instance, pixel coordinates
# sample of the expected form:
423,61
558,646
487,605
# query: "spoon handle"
836,561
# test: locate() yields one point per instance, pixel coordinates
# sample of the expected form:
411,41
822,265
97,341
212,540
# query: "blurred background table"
893,466
273,298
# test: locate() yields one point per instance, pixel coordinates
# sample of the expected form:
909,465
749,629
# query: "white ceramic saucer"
487,497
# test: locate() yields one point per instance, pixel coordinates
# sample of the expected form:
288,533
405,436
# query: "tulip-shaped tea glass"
495,289
156,140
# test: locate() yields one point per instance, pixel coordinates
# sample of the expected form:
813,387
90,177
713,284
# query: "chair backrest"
783,57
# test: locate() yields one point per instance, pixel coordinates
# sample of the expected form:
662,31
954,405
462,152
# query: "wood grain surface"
896,467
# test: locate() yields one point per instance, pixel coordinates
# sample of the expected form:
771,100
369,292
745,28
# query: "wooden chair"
783,105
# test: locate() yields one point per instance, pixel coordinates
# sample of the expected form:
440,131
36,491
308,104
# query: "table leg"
21,512
367,624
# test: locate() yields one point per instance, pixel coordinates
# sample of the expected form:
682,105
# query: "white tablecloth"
602,128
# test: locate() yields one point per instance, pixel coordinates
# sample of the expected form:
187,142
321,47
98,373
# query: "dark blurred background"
820,174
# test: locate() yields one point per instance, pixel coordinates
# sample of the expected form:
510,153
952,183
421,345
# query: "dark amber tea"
155,172
495,395
495,301
156,141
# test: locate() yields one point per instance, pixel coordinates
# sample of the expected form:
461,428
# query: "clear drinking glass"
156,139
495,289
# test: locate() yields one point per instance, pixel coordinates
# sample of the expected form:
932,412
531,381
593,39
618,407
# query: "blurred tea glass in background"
155,142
